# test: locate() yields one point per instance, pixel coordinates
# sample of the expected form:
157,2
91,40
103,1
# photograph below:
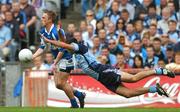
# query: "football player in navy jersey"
63,63
109,76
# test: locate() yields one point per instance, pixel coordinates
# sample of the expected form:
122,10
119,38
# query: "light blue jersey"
85,60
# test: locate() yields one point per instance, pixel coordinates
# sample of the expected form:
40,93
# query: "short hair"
125,11
151,6
157,39
137,39
119,53
153,25
51,15
150,46
177,53
172,21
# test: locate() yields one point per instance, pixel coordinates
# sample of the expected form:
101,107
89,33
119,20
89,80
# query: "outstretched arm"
58,43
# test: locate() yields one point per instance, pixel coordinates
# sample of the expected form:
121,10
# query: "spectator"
113,13
99,25
83,26
128,59
13,25
86,5
151,60
120,26
173,32
113,48
88,36
111,32
161,63
100,9
97,46
146,40
131,34
164,40
143,7
152,16
138,62
137,49
3,10
125,16
163,24
122,41
139,28
38,64
64,6
153,32
111,57
49,60
158,51
5,38
176,46
121,64
31,19
174,15
102,59
21,18
106,22
78,36
169,54
70,30
90,18
102,37
163,4
176,65
125,5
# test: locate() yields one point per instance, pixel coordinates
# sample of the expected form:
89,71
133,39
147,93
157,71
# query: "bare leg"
126,92
126,77
61,83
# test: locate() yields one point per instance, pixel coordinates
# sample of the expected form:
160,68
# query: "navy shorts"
109,76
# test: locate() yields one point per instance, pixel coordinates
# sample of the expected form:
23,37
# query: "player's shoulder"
42,30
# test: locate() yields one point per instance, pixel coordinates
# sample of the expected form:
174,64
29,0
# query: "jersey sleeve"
75,47
80,48
61,50
42,42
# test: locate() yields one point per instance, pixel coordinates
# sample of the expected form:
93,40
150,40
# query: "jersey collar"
50,29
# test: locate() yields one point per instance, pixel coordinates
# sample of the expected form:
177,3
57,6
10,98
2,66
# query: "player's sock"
74,103
159,71
77,93
152,89
81,96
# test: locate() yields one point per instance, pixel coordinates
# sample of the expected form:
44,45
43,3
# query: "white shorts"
65,65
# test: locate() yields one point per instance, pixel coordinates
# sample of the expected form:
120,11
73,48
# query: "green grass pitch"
49,109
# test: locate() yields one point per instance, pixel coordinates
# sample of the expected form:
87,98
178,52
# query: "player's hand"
44,38
54,67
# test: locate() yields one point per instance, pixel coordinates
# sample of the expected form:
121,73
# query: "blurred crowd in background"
124,33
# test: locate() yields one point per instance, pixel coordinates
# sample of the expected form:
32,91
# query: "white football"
25,55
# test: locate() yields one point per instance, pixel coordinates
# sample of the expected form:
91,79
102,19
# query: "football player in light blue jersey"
109,76
63,63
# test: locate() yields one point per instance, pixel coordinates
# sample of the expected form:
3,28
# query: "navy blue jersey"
53,35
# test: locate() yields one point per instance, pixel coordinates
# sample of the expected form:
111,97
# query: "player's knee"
134,79
60,85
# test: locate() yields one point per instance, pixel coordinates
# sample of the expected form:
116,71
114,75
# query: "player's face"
45,19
